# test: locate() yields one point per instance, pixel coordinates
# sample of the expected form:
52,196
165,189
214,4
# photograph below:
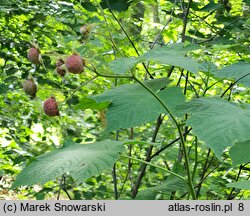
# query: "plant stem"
77,89
185,22
202,180
64,188
131,42
115,181
109,32
60,188
219,31
204,170
190,183
156,166
107,75
114,172
158,36
230,196
165,147
196,157
148,158
131,136
233,83
170,71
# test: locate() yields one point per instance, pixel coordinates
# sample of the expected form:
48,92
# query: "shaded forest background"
163,100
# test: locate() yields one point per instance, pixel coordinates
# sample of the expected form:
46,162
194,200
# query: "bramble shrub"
128,99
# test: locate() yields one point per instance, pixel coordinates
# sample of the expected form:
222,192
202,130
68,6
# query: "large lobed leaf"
217,122
132,105
81,161
174,54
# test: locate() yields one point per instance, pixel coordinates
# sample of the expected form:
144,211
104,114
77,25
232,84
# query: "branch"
190,183
168,145
60,188
131,42
218,32
109,32
204,170
230,196
156,166
183,34
148,158
115,182
158,36
233,83
77,89
107,75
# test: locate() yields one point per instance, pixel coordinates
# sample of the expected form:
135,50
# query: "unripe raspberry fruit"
50,107
30,87
75,64
33,55
60,70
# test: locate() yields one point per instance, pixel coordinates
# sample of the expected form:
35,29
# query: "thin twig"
230,196
158,36
107,75
195,158
233,83
170,71
204,170
183,34
115,182
128,37
208,174
167,146
64,188
109,32
60,188
156,166
77,89
218,32
131,136
114,171
202,180
148,154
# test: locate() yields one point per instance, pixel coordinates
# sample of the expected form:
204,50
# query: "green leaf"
208,67
240,152
217,122
122,65
132,105
81,161
240,70
88,103
241,184
172,54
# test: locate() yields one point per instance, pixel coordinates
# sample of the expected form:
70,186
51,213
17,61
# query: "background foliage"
160,112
